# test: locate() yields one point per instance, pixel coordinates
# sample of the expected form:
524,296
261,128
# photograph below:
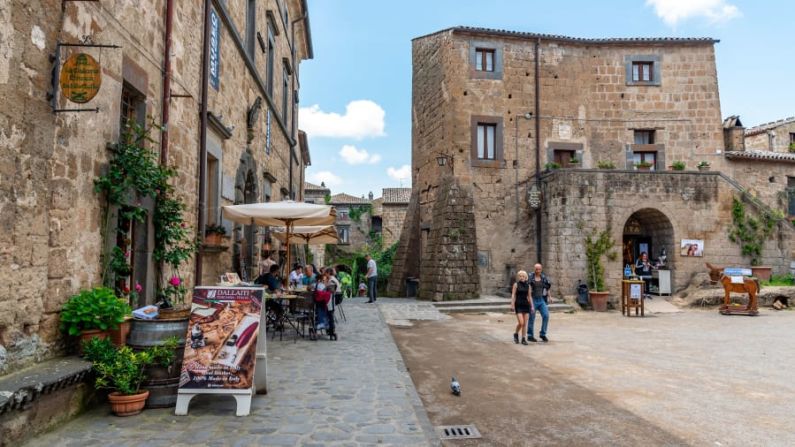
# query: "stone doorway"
648,230
244,260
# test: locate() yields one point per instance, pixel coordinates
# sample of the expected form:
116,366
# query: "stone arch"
246,191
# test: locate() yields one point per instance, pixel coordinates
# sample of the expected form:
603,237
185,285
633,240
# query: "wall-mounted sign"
215,50
692,247
268,131
81,77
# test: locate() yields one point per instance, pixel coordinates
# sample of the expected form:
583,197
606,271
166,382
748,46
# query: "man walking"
539,287
372,278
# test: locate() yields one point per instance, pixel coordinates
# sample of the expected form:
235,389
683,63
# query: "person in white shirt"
372,279
296,275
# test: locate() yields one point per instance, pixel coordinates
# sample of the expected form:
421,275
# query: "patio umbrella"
308,235
287,214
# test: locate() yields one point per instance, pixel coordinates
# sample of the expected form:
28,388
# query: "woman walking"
521,305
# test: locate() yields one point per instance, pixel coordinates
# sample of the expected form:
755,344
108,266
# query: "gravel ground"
689,378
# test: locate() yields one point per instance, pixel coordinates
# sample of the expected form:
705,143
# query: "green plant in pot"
598,244
605,164
551,166
678,165
213,234
92,313
751,233
703,165
644,165
121,370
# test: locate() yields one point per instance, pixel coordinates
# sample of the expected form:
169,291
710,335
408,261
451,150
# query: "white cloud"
363,118
674,11
354,156
401,173
327,177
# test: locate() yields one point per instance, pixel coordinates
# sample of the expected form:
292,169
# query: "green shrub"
749,232
678,165
596,246
551,166
98,308
605,164
123,369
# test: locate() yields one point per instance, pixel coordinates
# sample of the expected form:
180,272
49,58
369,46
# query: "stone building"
353,220
496,112
394,203
316,193
52,245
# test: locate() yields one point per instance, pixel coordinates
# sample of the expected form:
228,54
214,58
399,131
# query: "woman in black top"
521,305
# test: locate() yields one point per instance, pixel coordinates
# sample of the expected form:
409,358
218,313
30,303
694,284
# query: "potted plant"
574,161
703,165
605,164
92,313
213,234
551,166
792,147
678,166
596,246
751,233
121,370
643,165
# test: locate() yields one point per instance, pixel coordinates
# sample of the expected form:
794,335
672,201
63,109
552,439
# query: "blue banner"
215,50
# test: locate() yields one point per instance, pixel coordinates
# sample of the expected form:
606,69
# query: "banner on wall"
215,50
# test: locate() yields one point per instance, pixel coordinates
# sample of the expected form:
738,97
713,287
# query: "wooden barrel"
162,382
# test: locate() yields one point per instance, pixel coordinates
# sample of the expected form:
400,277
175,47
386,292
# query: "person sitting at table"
643,269
273,283
309,277
296,275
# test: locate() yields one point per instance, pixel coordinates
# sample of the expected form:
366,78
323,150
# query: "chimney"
370,196
733,134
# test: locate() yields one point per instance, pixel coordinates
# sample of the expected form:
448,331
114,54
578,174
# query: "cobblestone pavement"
351,392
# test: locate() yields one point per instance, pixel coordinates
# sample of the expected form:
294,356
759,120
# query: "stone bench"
36,398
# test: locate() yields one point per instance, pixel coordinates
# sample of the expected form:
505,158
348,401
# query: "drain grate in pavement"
458,432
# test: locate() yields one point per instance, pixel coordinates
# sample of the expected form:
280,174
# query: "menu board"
221,343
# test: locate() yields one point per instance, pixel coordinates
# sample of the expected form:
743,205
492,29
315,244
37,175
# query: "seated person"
309,277
271,279
296,275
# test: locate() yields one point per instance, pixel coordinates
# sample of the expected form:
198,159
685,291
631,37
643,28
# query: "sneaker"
516,338
524,342
544,338
532,339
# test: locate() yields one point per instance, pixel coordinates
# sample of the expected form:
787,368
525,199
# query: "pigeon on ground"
455,386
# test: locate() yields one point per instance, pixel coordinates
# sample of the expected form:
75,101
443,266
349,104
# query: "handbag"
322,296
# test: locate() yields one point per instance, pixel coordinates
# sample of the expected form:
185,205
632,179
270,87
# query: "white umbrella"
286,213
308,235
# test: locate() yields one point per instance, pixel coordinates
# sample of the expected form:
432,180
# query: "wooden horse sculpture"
749,286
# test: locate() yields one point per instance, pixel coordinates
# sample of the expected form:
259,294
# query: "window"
791,196
792,138
486,137
644,136
484,59
271,58
344,234
564,157
251,25
342,213
285,93
133,107
645,157
643,71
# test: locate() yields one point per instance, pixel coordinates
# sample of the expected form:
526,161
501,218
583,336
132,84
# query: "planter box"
763,273
213,239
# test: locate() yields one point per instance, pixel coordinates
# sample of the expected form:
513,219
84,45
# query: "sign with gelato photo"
221,343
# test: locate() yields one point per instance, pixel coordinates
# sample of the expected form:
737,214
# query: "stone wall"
392,223
449,263
406,263
672,206
52,244
775,139
766,180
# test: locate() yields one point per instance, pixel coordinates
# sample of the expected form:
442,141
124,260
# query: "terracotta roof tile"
599,40
347,199
394,196
761,155
312,187
756,130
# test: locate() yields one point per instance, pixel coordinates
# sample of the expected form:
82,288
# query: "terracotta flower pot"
212,239
599,301
763,273
119,336
88,335
122,405
643,168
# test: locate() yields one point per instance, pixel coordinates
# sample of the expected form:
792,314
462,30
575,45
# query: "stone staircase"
491,304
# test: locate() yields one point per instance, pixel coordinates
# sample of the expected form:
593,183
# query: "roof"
347,199
732,121
762,128
313,187
394,196
761,156
583,40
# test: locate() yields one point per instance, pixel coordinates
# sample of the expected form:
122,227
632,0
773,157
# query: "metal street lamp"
441,160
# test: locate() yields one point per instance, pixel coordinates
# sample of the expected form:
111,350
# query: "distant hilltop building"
524,143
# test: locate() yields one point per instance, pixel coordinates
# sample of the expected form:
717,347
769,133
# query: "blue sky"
356,92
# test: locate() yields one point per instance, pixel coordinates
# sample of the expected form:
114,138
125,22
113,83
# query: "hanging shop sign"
81,78
215,50
221,345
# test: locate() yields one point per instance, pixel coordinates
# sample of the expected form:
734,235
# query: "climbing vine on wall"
749,232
